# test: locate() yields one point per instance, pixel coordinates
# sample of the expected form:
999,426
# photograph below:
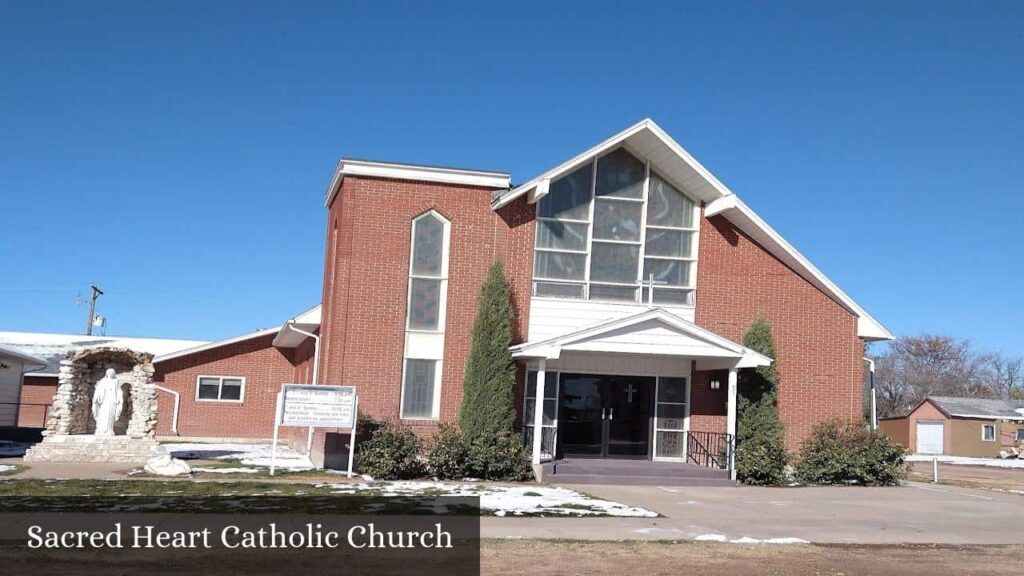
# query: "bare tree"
1006,376
914,367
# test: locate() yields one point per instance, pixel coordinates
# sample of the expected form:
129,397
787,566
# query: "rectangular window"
1020,434
418,389
988,433
670,419
220,388
549,423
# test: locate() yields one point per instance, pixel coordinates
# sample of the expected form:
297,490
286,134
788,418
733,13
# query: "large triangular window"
612,229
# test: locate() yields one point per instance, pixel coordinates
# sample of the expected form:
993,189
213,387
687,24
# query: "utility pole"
96,293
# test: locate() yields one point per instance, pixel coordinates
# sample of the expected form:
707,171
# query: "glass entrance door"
607,416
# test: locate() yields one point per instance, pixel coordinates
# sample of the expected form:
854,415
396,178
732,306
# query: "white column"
730,420
538,410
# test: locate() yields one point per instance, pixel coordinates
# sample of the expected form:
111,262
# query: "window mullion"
643,230
590,229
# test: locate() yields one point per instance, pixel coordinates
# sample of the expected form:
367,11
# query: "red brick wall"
36,396
819,354
366,282
707,406
264,367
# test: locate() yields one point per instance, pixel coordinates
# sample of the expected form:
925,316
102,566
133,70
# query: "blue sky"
177,154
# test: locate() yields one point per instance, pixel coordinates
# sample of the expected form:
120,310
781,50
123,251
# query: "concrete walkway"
916,513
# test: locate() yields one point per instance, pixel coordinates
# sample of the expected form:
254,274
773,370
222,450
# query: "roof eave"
737,212
414,172
719,189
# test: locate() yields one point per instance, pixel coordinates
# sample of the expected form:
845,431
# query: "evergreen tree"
760,452
487,390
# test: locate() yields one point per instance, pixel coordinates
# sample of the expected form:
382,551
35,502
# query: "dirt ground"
531,557
983,477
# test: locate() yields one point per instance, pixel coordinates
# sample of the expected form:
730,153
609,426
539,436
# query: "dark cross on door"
630,390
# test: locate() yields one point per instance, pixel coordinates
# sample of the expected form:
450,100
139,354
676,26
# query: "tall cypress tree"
487,388
760,449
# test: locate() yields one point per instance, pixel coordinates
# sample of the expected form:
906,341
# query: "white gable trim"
710,189
307,321
414,172
737,212
722,347
217,344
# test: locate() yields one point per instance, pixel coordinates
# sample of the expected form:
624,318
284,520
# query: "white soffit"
416,173
646,140
734,210
308,321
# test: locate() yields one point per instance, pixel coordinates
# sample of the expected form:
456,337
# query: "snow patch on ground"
749,540
250,455
505,500
967,461
6,468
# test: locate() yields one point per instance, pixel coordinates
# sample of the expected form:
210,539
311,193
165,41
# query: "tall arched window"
608,229
424,342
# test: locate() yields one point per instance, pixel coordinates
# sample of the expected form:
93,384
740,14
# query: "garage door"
929,437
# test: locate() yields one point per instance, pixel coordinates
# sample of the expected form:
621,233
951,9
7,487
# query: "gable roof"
737,212
646,139
653,331
52,348
217,344
978,407
19,356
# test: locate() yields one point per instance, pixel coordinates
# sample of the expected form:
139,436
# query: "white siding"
550,317
10,392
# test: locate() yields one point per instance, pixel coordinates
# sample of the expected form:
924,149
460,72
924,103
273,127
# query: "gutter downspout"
316,373
177,404
874,402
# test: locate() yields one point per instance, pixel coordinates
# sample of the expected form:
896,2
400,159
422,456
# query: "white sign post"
316,406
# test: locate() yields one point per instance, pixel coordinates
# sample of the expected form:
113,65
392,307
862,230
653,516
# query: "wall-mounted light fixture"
715,385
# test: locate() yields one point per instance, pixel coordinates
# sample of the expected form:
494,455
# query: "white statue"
107,402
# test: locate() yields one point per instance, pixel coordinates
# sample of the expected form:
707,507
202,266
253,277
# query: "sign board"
318,406
315,406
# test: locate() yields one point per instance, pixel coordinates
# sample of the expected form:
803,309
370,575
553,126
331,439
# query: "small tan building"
975,427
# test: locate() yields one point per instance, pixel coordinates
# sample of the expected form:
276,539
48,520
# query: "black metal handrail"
709,449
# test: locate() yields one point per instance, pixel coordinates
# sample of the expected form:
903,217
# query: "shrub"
454,456
488,405
840,452
760,456
391,453
501,457
760,453
448,455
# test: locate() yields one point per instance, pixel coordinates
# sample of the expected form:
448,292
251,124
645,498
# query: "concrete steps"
632,473
88,448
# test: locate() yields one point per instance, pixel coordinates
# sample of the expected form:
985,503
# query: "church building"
634,275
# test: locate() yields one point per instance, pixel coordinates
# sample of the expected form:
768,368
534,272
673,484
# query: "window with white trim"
425,319
610,227
988,433
220,388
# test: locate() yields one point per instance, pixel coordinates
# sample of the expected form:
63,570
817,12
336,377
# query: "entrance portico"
623,389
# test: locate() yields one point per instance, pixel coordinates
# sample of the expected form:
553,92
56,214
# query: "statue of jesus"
107,402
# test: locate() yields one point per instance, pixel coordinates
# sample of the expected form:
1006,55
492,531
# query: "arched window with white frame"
425,318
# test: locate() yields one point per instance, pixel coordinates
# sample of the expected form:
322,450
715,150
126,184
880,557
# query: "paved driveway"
916,513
